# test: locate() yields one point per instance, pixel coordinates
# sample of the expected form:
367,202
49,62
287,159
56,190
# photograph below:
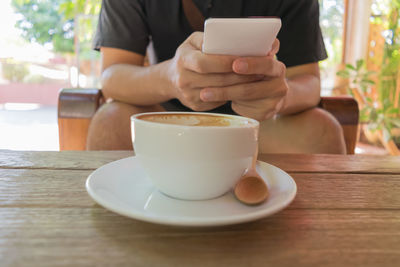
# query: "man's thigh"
110,128
311,131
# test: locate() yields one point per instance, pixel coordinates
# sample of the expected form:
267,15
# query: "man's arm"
304,88
124,78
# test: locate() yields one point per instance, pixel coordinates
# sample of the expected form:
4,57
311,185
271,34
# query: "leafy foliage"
379,108
52,21
391,52
41,22
14,71
379,115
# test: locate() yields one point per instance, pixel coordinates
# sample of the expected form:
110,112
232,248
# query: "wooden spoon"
251,188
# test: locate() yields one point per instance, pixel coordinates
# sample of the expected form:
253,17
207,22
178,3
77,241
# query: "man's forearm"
304,92
137,85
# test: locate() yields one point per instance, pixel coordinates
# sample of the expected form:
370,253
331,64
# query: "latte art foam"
195,120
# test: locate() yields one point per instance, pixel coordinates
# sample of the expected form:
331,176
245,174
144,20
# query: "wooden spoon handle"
251,171
254,162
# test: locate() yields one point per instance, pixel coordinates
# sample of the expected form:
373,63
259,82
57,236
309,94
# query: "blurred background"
45,45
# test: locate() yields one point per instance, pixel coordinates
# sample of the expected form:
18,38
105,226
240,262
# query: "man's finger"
202,63
251,109
249,91
191,57
275,48
267,66
196,40
196,80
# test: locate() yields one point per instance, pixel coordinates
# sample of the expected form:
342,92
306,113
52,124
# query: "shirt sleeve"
122,24
300,37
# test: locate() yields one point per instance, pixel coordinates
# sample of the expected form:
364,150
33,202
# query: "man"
286,87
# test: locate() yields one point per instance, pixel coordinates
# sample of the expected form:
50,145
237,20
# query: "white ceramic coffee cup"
193,162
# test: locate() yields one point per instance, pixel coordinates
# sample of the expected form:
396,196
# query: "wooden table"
346,213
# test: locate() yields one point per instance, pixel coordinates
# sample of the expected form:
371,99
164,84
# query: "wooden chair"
76,107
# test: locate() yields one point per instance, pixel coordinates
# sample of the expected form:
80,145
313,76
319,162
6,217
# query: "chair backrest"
76,108
345,110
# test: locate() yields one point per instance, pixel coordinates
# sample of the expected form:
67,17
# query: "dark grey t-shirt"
131,24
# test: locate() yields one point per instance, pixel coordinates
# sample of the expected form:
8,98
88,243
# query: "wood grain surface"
350,217
334,163
75,160
90,160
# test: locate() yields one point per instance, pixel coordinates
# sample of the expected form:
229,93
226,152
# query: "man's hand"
261,99
190,71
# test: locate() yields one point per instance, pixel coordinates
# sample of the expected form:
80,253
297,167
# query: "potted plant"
379,115
378,92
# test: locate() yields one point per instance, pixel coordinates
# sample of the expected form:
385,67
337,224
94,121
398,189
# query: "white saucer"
122,187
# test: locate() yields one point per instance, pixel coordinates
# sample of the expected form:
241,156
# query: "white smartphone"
240,36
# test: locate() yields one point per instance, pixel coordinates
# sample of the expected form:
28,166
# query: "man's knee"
326,131
114,112
110,126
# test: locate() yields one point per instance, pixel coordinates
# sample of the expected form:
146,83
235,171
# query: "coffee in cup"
194,119
194,155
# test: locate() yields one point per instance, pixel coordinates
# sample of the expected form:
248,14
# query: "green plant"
379,114
378,94
41,22
14,71
53,21
391,52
